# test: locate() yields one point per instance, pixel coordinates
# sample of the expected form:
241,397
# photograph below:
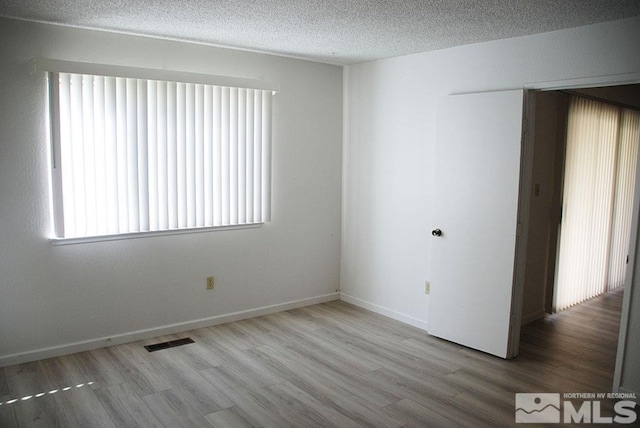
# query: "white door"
476,210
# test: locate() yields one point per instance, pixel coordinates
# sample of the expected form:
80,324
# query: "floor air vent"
169,344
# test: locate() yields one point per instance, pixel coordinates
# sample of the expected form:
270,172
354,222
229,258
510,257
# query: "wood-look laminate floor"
328,365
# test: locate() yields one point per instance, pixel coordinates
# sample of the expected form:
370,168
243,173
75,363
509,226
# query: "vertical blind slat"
242,147
152,154
266,157
88,161
143,150
249,155
190,161
199,197
208,156
100,155
233,156
225,157
121,156
132,155
181,155
173,183
77,153
162,162
257,154
111,176
217,156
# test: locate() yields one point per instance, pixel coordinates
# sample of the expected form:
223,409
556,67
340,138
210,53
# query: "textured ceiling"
332,31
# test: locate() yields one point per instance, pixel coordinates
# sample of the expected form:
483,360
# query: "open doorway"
549,125
597,200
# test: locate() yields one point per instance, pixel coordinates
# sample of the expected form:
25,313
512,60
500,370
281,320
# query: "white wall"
544,207
390,111
56,296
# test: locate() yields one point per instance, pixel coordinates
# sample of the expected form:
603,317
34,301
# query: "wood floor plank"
257,412
4,386
174,410
360,404
82,408
93,367
20,368
415,385
326,365
389,354
8,417
332,415
438,359
296,320
41,410
7,414
125,407
309,366
419,416
443,405
205,397
231,417
322,345
133,362
296,412
233,338
54,375
498,413
527,375
197,356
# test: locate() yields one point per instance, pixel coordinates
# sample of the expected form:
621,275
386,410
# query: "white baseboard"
87,345
385,311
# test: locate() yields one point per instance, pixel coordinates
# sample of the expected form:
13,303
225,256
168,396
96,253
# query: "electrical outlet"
427,287
210,283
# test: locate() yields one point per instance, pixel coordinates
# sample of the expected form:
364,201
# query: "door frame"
628,283
523,206
522,234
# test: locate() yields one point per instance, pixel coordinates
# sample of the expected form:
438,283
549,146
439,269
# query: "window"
134,154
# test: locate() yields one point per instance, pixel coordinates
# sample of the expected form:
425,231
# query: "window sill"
101,238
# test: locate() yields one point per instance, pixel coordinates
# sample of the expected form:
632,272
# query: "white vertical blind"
139,155
598,192
625,184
